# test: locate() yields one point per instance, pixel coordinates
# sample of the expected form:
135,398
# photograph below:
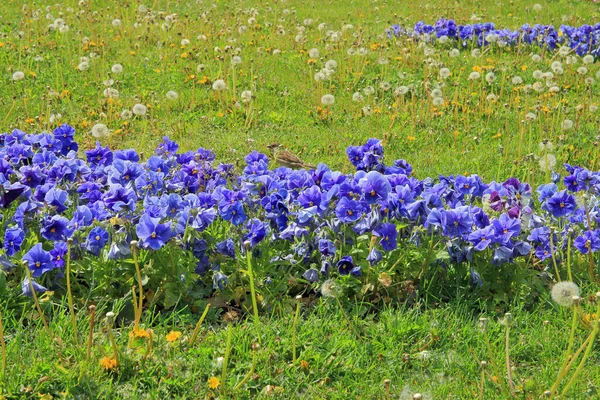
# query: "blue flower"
57,198
219,280
26,287
506,227
388,235
482,238
226,247
56,228
13,238
38,260
58,254
233,212
96,240
560,204
311,275
348,210
346,266
257,233
588,242
326,247
151,233
375,187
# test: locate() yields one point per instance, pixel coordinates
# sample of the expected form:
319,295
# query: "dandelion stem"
554,258
251,278
563,368
35,300
70,293
3,344
91,334
587,350
198,324
141,289
298,304
508,371
248,374
226,358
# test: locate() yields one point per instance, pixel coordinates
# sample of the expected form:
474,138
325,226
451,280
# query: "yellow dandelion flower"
304,364
108,363
411,138
173,336
213,382
183,55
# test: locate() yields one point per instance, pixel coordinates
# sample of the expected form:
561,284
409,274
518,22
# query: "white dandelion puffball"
547,162
443,39
357,97
444,73
83,66
100,131
200,68
246,96
172,95
402,90
319,76
313,53
369,90
438,101
18,75
567,124
111,93
116,22
473,76
436,93
236,60
476,53
454,53
517,80
385,86
593,108
554,89
185,42
490,77
530,116
547,146
537,74
327,99
117,69
331,65
536,58
582,70
537,7
139,109
589,59
563,292
491,98
564,50
219,85
126,114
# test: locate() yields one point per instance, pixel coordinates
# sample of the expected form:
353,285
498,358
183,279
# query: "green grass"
285,109
394,344
153,64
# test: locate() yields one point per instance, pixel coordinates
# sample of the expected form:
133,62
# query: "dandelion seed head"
219,85
139,109
117,69
18,75
562,293
327,99
100,131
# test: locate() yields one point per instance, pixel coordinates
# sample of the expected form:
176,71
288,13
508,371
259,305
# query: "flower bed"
377,233
583,40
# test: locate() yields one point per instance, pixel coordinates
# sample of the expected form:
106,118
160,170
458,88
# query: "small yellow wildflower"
108,363
173,336
138,333
213,382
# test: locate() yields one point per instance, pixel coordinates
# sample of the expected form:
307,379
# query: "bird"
286,158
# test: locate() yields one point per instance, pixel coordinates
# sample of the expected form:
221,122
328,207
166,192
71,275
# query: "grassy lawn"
171,54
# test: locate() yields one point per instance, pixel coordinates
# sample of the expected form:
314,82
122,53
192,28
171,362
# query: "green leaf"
442,255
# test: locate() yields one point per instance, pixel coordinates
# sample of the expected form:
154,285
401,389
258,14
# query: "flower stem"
554,258
198,324
248,375
226,358
563,368
35,300
508,371
141,289
91,334
70,293
251,278
3,349
298,304
587,350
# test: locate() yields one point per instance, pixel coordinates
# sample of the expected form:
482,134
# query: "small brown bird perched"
285,158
